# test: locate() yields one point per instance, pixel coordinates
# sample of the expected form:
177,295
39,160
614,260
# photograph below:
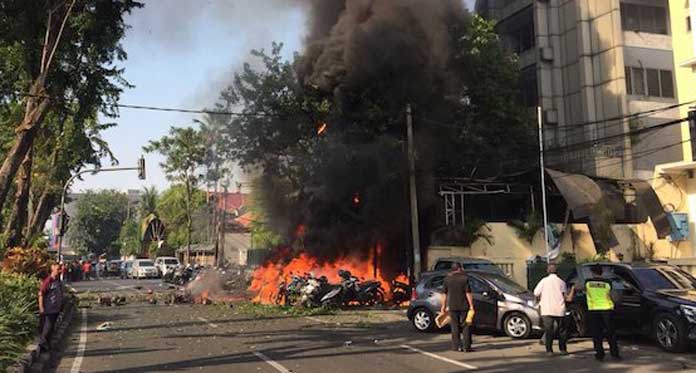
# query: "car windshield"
146,263
488,267
505,284
171,261
658,279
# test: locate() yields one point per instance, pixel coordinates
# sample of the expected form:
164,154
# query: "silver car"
501,304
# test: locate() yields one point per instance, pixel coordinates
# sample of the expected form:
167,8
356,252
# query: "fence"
507,268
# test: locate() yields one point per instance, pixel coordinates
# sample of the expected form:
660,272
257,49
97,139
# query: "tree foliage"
171,207
185,151
96,224
58,72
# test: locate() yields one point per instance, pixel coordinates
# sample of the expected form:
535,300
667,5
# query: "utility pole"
543,177
221,221
415,234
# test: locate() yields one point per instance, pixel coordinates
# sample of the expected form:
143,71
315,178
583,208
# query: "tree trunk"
41,213
26,131
19,216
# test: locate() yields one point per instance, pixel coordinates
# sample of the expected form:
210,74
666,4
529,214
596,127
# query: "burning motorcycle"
401,292
352,291
292,291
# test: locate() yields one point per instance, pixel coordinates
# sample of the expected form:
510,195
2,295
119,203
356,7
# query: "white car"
164,263
144,268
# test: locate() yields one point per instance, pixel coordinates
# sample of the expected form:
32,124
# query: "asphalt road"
161,338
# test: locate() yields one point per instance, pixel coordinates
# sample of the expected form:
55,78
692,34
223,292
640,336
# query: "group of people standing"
82,270
552,294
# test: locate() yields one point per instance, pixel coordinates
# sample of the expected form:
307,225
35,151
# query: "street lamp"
141,175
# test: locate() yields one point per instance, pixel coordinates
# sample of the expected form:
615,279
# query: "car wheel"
423,320
578,324
670,333
517,326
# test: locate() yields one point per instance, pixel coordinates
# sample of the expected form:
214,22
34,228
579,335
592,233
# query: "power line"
167,109
627,116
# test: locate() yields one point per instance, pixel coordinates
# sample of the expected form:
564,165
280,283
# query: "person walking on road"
50,303
459,300
600,315
551,292
86,270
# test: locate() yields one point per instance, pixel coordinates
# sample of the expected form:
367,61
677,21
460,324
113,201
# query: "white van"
144,268
164,263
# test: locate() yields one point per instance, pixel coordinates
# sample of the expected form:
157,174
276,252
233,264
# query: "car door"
485,303
628,307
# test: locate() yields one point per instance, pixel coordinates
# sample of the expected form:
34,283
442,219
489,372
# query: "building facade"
589,64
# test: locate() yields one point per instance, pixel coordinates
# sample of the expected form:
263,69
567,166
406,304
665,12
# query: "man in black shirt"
459,300
50,304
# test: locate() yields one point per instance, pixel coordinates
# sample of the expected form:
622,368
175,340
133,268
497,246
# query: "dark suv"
656,300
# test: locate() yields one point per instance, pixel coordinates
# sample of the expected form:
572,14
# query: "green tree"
184,150
96,224
148,202
57,56
172,209
129,238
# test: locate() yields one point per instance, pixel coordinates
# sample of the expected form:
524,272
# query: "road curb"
36,361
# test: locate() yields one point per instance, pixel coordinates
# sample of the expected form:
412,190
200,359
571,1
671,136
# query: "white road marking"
270,362
77,363
212,325
441,358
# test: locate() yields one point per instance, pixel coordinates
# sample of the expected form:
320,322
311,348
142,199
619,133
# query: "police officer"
600,315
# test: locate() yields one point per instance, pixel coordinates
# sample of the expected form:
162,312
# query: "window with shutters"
649,82
643,18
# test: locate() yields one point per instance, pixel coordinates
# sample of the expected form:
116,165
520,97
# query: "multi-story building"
587,63
683,16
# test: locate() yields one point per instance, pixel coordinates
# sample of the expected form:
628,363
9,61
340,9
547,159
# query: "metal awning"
605,201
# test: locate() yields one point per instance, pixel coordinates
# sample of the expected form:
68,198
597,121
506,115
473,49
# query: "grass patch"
265,311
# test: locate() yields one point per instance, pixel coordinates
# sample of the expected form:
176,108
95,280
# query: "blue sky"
181,53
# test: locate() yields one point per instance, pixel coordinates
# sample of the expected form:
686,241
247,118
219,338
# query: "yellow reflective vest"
598,295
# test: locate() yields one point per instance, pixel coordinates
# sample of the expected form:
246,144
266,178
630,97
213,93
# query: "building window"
666,84
649,82
688,24
641,18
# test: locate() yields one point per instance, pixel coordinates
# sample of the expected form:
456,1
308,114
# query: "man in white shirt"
551,292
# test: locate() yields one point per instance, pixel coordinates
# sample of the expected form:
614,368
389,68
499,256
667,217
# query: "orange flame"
322,128
265,279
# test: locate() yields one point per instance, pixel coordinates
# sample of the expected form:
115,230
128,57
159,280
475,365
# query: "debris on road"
104,326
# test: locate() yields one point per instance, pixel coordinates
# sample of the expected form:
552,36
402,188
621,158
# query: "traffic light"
141,168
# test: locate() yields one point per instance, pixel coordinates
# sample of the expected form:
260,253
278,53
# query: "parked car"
468,264
501,304
655,300
144,268
113,267
164,263
126,269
